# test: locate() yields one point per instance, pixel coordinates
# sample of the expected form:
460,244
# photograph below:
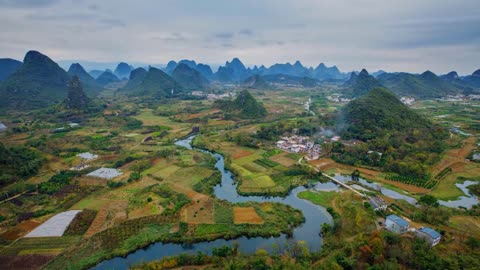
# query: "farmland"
166,192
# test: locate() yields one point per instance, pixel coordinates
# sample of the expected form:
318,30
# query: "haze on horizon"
411,36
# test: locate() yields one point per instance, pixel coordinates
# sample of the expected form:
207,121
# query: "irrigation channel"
227,190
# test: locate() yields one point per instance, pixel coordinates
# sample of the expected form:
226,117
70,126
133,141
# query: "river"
227,190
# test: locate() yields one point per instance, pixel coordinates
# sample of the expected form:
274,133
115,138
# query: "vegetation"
425,85
18,162
37,83
81,222
188,77
244,106
408,143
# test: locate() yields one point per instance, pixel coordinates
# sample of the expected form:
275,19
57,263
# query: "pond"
227,190
466,201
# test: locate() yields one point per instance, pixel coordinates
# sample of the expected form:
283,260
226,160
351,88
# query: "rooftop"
400,221
105,173
430,232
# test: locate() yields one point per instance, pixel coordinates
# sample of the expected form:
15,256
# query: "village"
300,144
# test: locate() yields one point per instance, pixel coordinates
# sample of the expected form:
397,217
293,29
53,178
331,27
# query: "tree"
428,200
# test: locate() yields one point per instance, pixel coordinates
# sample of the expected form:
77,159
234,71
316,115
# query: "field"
247,215
199,212
284,160
321,198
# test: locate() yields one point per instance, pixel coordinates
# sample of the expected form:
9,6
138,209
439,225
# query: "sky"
407,35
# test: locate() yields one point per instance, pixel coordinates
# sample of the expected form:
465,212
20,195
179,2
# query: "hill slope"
155,84
188,77
244,106
425,85
91,86
378,112
409,143
256,82
76,98
7,67
39,82
107,77
362,83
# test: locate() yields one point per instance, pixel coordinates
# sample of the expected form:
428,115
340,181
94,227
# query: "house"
430,235
396,224
378,203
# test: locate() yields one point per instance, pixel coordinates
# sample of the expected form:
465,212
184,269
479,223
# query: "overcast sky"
407,35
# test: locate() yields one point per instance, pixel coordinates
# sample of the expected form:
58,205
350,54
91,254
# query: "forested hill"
153,83
362,83
379,112
425,85
404,142
37,83
244,106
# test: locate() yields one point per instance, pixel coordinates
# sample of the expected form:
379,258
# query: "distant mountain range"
40,82
189,77
425,85
153,83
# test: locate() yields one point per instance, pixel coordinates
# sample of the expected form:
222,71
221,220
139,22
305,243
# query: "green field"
40,245
318,197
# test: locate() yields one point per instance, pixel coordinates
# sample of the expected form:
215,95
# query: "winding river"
227,190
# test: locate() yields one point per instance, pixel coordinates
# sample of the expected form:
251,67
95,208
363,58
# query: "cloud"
436,32
27,3
246,32
224,35
408,35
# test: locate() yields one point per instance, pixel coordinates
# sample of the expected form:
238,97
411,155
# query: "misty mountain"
362,83
233,71
256,82
96,73
107,77
153,83
136,78
123,70
7,67
90,85
189,77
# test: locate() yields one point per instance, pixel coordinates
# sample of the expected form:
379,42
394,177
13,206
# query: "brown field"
199,211
91,181
246,215
190,193
468,224
283,160
97,223
241,153
30,262
146,210
454,157
20,230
